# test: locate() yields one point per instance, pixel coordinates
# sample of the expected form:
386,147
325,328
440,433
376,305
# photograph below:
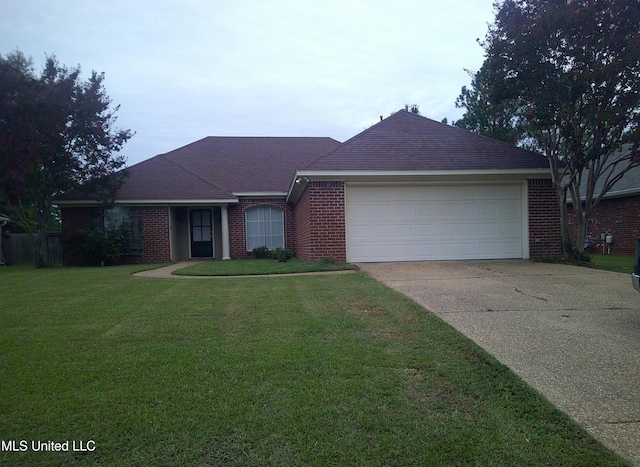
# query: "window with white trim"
265,227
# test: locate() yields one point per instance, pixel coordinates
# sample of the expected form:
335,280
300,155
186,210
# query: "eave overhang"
261,194
611,194
303,177
151,202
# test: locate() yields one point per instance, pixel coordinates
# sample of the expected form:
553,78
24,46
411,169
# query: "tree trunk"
567,243
42,248
42,252
582,224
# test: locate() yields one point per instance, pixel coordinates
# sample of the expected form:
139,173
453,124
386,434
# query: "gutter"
303,177
147,202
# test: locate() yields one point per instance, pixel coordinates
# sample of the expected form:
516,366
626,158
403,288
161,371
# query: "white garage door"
437,222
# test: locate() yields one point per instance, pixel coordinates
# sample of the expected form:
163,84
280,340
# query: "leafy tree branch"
57,133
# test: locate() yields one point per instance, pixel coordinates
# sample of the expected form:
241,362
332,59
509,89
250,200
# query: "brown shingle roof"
160,178
250,164
214,168
406,141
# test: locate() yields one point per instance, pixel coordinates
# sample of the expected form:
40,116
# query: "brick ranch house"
406,189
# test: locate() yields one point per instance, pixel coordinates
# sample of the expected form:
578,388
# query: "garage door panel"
511,229
381,232
359,232
382,211
361,211
487,208
509,208
425,251
509,249
408,223
407,210
468,209
404,250
467,230
446,210
425,209
447,249
402,231
446,229
488,229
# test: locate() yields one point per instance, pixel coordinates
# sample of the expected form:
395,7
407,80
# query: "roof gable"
406,141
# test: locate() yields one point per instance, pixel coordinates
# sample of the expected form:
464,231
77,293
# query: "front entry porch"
199,232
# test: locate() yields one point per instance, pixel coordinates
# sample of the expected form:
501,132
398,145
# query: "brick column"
320,222
545,238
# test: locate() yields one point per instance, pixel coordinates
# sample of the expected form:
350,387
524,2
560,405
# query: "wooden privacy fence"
17,249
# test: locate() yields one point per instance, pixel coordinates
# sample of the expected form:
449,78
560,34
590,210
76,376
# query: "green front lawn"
248,267
297,370
613,263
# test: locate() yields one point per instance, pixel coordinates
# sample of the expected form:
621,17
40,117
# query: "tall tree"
57,132
498,120
413,108
574,68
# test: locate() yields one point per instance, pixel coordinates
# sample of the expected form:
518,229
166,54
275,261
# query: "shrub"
575,256
102,248
282,254
261,252
96,248
326,260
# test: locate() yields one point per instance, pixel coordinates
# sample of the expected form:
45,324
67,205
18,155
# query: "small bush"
327,260
575,256
96,248
261,252
282,254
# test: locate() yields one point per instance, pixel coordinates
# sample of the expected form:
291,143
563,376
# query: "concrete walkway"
571,333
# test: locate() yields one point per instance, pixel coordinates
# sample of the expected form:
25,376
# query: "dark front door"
201,233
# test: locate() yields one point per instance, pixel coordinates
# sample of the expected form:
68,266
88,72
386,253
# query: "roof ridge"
262,137
196,174
493,140
357,136
456,128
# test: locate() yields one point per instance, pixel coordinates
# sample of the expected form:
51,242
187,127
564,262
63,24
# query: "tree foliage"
571,69
494,119
413,108
57,133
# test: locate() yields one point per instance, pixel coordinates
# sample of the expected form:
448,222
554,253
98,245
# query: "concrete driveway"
572,333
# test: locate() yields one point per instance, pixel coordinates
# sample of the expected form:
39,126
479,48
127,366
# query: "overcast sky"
185,69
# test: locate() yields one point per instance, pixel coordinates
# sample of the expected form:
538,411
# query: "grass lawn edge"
259,267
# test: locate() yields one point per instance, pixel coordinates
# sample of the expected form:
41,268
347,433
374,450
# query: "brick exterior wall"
315,226
77,219
74,219
155,229
545,239
237,232
619,217
320,222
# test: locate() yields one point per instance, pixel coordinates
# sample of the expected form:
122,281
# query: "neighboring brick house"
408,188
617,216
